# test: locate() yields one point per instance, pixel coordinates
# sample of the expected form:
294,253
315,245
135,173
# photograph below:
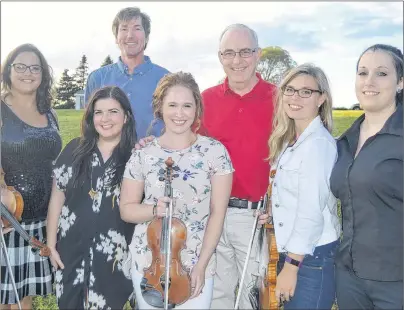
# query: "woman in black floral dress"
91,250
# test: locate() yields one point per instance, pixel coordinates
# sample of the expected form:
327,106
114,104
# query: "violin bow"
33,242
240,287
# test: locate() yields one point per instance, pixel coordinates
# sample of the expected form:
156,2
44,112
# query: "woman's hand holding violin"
55,259
8,200
161,207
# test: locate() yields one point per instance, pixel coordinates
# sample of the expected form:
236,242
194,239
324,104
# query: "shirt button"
275,184
276,205
280,224
280,167
241,110
291,150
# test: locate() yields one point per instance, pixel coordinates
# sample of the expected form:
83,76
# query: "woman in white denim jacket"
302,155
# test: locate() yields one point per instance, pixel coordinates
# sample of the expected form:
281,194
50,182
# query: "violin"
267,293
11,207
166,283
12,200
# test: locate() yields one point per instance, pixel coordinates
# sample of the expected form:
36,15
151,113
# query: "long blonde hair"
283,128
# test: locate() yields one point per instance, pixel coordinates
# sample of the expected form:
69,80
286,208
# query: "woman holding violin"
197,172
302,155
29,143
86,236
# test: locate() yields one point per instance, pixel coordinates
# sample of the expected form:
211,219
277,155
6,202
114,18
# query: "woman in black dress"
91,250
29,143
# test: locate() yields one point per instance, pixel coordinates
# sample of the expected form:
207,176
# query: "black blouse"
27,154
370,188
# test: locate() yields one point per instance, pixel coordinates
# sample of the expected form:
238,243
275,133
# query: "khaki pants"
231,254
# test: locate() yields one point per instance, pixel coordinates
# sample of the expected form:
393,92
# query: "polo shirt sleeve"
318,159
222,163
91,85
133,169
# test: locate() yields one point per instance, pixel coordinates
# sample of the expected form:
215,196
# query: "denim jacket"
303,207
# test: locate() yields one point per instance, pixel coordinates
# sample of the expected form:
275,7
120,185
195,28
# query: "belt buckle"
249,205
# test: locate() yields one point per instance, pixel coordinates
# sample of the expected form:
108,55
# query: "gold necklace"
93,194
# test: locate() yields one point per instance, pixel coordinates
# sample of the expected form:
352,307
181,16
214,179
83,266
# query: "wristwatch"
292,261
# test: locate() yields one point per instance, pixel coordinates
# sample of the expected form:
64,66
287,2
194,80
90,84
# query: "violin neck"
164,230
21,231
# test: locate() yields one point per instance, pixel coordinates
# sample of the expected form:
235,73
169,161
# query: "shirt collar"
314,125
140,69
393,125
226,88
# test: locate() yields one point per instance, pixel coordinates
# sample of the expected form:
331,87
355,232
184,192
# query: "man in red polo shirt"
238,113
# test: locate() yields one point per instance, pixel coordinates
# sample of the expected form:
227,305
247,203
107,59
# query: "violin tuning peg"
161,179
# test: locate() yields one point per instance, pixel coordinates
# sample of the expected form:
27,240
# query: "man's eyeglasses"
21,68
244,53
303,93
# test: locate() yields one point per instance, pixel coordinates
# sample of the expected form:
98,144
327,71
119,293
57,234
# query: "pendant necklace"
93,194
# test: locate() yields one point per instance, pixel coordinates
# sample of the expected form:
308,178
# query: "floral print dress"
193,169
92,238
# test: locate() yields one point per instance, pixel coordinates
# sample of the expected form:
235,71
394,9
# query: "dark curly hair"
43,93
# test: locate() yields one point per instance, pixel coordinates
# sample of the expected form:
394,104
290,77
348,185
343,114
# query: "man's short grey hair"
253,34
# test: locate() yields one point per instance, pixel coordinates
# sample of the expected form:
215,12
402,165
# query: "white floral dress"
192,172
92,239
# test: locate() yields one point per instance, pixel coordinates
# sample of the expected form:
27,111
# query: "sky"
185,35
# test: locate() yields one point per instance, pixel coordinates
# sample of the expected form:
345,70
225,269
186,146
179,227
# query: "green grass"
70,122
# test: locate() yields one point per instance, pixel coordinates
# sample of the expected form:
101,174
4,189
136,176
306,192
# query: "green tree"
107,61
80,77
274,63
66,90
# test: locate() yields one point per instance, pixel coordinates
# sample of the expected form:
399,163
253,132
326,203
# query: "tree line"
272,66
69,84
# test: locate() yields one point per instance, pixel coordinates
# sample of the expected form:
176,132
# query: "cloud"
185,35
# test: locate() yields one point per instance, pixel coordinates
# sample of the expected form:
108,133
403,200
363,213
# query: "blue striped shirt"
138,86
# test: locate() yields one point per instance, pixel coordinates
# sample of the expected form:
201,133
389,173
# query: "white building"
79,98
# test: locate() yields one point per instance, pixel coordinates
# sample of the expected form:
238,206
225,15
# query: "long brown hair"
43,93
89,137
283,129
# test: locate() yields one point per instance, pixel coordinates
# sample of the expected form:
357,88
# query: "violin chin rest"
152,296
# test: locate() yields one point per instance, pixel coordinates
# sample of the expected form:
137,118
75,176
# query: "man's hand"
142,142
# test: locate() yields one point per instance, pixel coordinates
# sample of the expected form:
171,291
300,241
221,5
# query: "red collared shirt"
243,124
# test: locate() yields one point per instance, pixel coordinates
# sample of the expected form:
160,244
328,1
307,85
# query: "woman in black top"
29,143
92,245
368,179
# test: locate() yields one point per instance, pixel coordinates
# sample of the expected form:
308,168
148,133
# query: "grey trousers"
231,255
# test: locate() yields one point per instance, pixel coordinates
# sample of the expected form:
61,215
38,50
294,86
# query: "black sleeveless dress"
27,155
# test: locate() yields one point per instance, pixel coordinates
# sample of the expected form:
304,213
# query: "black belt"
241,203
